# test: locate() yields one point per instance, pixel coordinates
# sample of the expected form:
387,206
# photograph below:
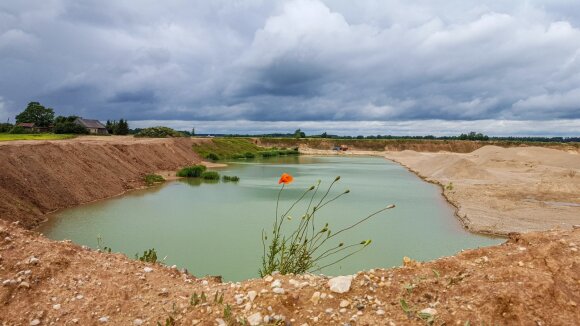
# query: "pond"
215,228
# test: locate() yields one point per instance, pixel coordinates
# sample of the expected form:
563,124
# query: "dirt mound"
530,280
40,177
500,190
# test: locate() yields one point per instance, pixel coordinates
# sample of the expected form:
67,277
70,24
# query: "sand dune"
501,190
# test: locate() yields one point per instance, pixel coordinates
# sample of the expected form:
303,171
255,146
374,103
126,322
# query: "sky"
341,66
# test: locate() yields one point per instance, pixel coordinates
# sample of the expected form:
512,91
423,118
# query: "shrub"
193,171
212,156
232,178
210,175
151,179
6,127
149,256
249,155
17,130
238,156
158,132
269,153
69,127
305,247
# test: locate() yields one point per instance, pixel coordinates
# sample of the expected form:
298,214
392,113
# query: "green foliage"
212,156
473,136
6,127
194,171
151,179
149,256
226,148
37,114
299,134
449,186
122,128
101,245
158,132
249,155
305,247
66,125
17,130
169,321
210,175
228,178
10,137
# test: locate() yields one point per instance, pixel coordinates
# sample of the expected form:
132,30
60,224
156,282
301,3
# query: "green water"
215,228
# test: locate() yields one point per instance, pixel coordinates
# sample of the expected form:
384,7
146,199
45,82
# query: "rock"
148,269
278,290
137,322
164,292
340,284
34,322
220,322
104,319
276,284
33,261
252,295
315,297
56,306
268,278
429,311
24,285
255,319
380,312
344,303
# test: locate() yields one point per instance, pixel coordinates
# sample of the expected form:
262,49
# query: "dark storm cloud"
303,60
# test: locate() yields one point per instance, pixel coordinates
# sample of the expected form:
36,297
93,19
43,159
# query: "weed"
410,287
149,256
212,156
228,178
218,297
151,179
228,316
449,186
436,273
405,306
169,321
193,171
303,248
249,155
101,245
210,175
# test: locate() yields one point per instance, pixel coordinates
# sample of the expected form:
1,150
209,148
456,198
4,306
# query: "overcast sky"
342,66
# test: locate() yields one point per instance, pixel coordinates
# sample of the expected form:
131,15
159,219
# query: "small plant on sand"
306,247
101,245
230,178
193,171
152,179
210,175
449,186
149,256
212,156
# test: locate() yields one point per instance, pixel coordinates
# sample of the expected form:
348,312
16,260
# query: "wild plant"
149,256
305,247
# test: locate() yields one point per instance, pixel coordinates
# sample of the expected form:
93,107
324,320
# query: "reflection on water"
214,227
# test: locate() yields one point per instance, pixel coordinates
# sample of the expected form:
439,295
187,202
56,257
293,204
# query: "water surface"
215,228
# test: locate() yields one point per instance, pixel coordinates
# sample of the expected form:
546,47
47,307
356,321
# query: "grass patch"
210,175
159,132
149,256
152,179
236,148
194,171
10,137
230,178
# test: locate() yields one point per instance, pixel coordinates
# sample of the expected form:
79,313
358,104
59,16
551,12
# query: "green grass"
230,178
152,179
210,175
227,148
10,137
193,171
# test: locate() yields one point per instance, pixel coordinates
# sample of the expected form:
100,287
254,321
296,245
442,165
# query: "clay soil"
532,279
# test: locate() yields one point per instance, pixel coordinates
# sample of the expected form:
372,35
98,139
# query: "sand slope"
501,190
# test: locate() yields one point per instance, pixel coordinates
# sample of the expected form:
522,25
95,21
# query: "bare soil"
532,279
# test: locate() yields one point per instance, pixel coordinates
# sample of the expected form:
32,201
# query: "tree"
122,127
299,134
111,126
324,135
193,131
67,125
37,114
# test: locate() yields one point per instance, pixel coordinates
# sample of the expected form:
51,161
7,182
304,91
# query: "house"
30,127
94,127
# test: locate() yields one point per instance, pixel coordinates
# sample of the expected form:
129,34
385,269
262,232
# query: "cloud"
299,60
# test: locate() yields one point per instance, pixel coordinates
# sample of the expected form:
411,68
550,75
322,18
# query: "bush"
193,171
17,130
151,179
158,132
232,178
70,128
238,156
269,153
210,175
6,127
249,155
212,156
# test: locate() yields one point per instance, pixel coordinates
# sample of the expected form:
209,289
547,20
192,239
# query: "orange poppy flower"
285,179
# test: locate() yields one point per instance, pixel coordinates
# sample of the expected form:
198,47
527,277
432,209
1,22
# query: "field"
9,137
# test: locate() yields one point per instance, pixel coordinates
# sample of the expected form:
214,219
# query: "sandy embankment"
38,177
500,190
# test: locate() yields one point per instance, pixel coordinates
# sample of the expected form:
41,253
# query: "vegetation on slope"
226,148
9,137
